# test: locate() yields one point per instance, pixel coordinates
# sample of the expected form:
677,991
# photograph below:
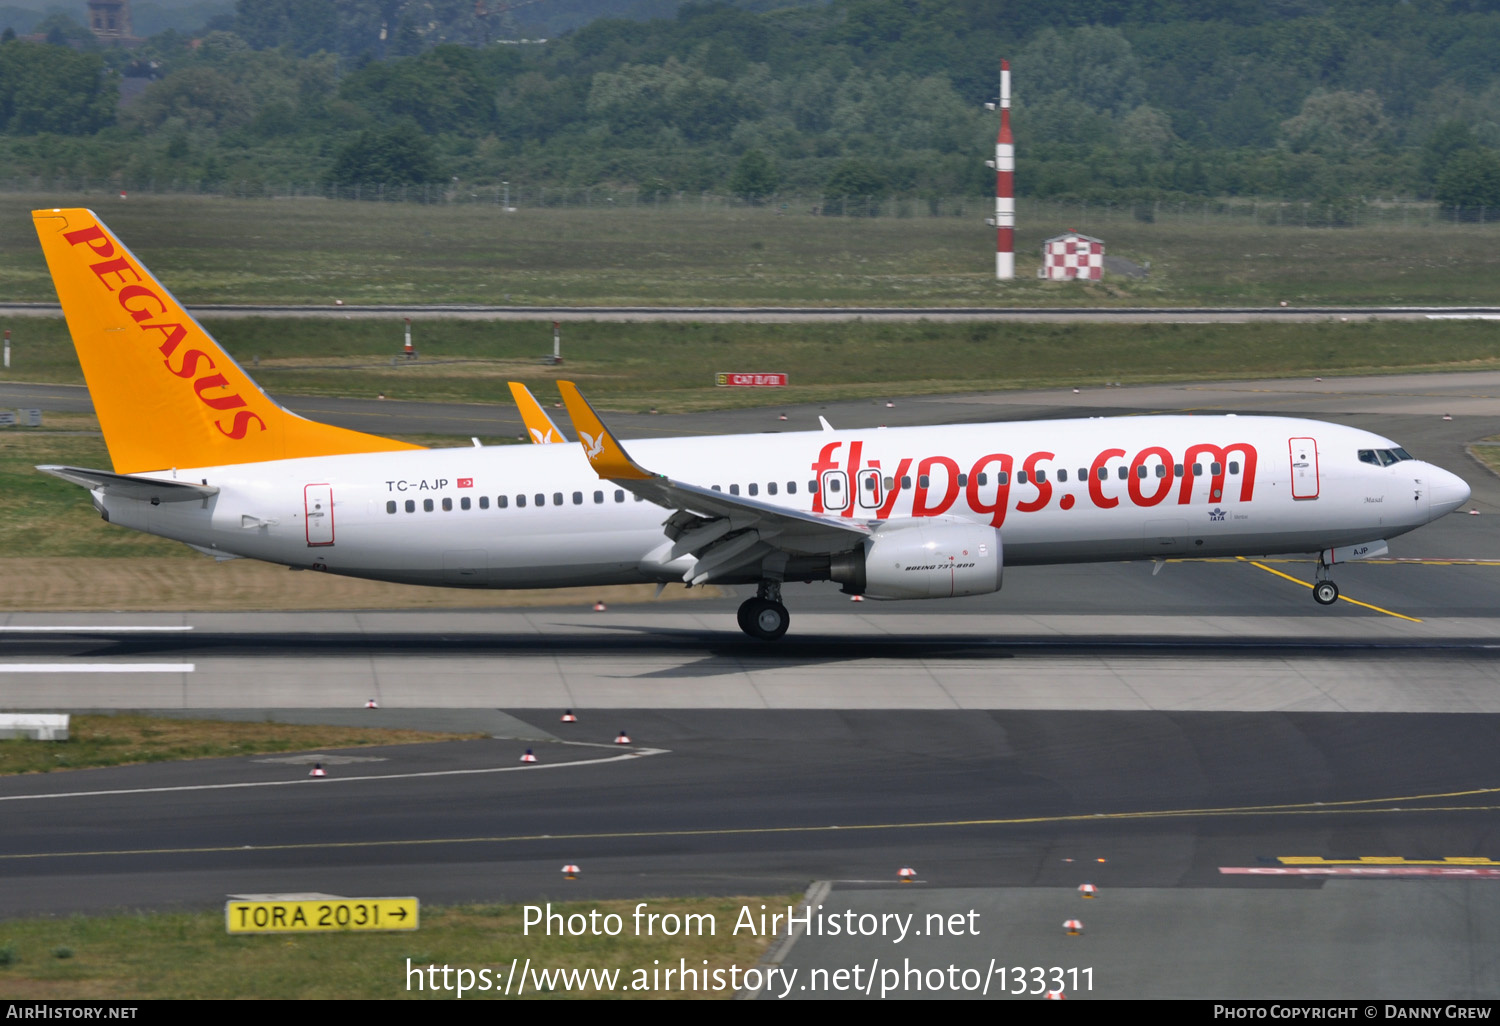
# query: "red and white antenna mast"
1005,186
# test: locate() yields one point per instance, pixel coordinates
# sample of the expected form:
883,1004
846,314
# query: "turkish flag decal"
466,482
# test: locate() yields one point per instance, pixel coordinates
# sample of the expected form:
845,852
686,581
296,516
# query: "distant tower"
110,19
1005,186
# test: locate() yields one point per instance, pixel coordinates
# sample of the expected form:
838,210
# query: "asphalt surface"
1207,718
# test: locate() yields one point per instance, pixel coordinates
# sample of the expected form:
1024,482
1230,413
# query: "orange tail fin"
166,394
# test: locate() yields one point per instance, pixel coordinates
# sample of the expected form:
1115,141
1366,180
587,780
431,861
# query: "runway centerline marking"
328,781
97,667
1352,806
1345,598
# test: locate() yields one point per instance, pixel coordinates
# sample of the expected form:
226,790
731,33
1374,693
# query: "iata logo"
1216,514
143,305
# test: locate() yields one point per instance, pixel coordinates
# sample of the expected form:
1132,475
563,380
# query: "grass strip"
175,955
97,740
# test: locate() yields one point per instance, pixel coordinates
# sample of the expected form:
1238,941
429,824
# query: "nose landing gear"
764,616
1325,592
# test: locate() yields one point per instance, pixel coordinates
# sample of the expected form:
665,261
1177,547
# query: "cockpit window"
1383,457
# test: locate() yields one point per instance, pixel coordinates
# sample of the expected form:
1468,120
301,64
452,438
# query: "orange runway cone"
568,717
318,770
528,757
623,739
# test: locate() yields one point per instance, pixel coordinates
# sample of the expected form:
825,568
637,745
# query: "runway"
1186,727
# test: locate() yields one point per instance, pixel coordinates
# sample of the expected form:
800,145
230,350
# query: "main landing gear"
764,616
1325,592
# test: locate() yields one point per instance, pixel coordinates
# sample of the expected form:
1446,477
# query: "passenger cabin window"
578,498
791,487
1122,472
771,488
1234,466
598,498
1217,468
539,499
963,480
905,481
390,507
464,503
1062,476
484,502
557,498
1104,473
1020,477
411,506
923,480
447,505
427,505
1177,470
501,501
520,502
734,489
1197,470
1041,477
1161,469
754,488
619,495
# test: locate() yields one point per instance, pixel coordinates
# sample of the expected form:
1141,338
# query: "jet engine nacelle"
928,558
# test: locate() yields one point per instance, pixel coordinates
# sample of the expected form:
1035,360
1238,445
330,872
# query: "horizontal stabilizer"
143,488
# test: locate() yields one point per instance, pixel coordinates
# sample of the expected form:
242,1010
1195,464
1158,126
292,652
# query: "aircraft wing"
144,488
723,532
538,425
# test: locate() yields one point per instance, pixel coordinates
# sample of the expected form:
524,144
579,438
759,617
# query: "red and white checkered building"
1070,256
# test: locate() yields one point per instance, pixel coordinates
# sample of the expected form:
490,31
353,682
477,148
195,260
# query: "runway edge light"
570,872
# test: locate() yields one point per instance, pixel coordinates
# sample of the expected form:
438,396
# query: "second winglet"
608,458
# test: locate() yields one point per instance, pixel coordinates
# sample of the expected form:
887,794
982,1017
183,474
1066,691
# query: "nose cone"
1446,491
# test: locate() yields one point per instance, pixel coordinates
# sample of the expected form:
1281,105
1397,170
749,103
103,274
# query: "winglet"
538,425
608,458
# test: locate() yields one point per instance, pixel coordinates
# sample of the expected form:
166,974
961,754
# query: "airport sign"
321,915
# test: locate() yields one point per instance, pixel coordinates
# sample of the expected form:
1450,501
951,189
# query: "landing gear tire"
764,619
1325,593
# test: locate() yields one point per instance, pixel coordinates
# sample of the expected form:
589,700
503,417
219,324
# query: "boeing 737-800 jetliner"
201,455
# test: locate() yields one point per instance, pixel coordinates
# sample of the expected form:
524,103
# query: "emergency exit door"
317,502
1304,452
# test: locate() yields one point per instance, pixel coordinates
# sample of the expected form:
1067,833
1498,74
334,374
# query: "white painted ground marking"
97,667
52,629
330,781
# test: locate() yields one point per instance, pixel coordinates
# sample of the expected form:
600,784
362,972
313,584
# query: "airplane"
201,455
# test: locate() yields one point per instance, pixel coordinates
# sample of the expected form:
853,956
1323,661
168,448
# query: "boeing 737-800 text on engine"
201,455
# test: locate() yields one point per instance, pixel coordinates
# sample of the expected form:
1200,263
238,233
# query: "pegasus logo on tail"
594,444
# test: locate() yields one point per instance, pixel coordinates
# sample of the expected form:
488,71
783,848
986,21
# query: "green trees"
398,155
54,89
755,177
1471,178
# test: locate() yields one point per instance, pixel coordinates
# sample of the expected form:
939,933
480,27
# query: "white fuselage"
537,516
